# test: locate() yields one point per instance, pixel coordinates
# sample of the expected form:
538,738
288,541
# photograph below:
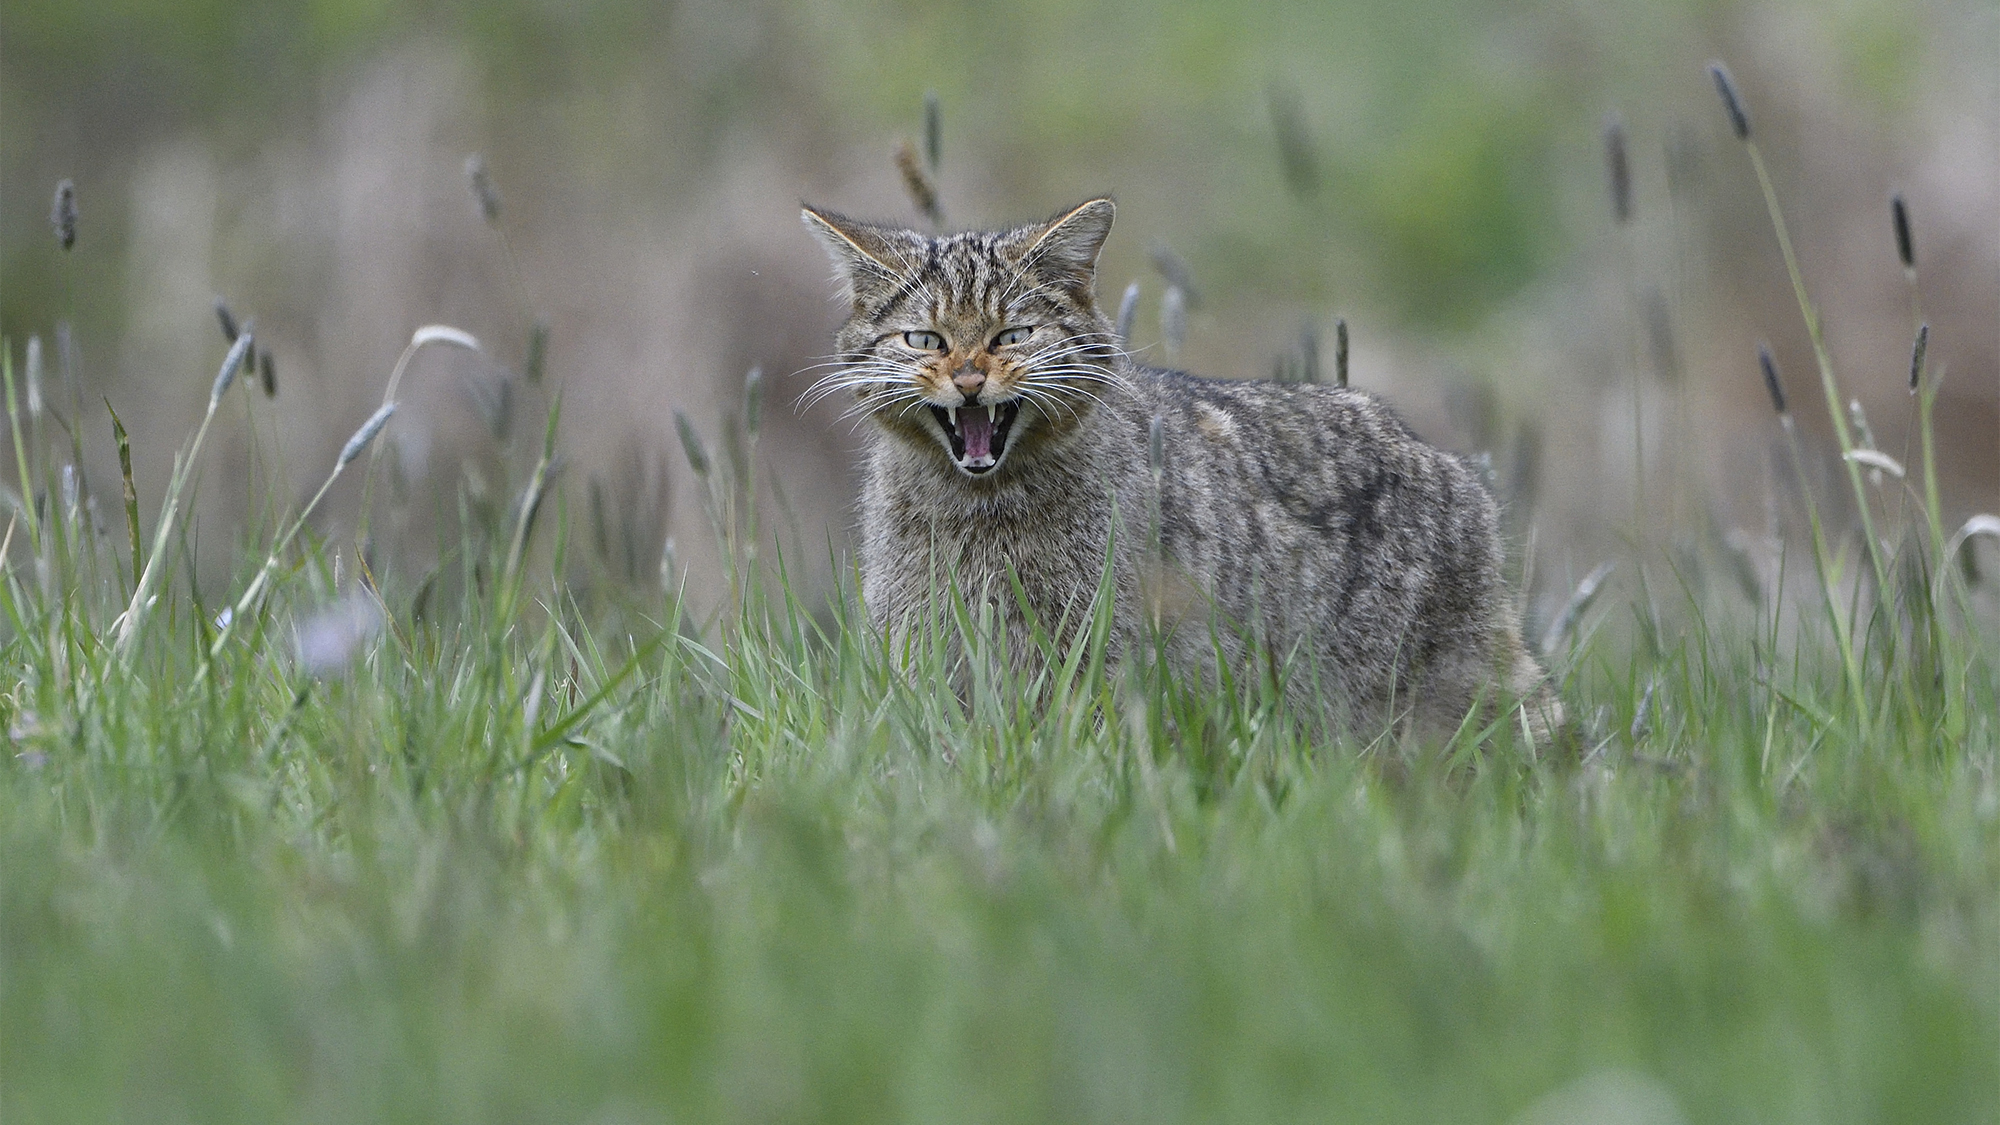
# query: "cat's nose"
969,379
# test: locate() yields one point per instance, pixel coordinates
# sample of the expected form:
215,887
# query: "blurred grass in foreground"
513,842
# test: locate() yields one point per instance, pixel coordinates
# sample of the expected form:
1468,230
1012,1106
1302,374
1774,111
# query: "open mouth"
978,434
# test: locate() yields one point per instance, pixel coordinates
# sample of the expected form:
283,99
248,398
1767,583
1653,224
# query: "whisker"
834,384
1095,374
1077,386
1049,403
876,406
1076,392
1064,349
1073,375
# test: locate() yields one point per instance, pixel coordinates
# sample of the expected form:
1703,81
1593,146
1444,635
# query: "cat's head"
986,346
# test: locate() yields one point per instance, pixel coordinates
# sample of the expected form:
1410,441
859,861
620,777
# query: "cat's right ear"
864,256
1064,249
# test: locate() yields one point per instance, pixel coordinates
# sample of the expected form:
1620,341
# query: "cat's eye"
924,341
1012,336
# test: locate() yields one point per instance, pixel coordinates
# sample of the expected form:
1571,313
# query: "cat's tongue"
975,426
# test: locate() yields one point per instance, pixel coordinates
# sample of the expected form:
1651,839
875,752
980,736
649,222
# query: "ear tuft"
867,257
1068,244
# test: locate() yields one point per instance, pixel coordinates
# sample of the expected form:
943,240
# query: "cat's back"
1334,459
1313,514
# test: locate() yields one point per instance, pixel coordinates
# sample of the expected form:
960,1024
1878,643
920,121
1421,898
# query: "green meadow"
516,791
480,846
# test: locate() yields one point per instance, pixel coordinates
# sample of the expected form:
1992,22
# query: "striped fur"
1303,521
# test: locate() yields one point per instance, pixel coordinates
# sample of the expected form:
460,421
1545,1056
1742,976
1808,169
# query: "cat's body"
1011,441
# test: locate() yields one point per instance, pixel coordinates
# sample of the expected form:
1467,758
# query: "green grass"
544,846
539,854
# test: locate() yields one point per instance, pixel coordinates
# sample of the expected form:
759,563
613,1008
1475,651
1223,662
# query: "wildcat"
1011,439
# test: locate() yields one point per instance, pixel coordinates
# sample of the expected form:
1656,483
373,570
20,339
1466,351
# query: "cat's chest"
1050,528
978,523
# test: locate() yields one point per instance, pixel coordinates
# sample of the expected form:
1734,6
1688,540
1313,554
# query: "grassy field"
519,837
509,841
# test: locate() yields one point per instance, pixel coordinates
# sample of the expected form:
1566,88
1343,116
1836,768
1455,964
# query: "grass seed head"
1618,168
917,182
65,350
34,376
483,191
1917,351
1297,159
1899,215
1769,364
1982,524
1339,352
231,365
1173,319
1739,121
62,214
367,433
1175,269
1128,311
600,524
443,334
753,400
1660,340
268,369
228,322
933,131
1877,463
691,444
1580,600
538,351
1857,417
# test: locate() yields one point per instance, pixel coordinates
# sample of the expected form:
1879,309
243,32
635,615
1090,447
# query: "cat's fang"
947,419
976,438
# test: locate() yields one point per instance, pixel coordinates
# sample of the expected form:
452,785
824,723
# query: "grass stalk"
362,439
1824,361
128,623
420,339
1825,565
1883,602
26,502
531,502
131,493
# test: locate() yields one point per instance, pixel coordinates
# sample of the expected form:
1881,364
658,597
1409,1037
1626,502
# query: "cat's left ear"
1067,244
869,259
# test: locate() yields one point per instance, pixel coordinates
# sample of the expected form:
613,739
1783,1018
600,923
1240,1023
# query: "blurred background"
1434,173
